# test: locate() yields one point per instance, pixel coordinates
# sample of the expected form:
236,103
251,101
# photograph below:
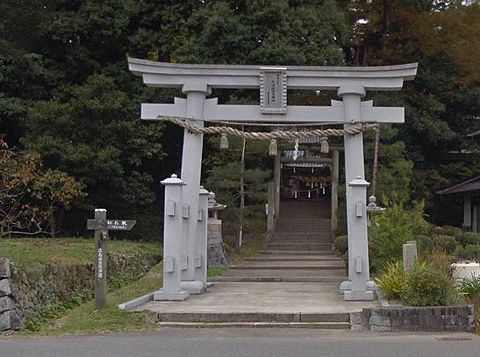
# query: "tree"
32,199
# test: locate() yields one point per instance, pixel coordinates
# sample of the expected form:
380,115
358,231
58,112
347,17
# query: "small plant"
391,280
440,260
426,285
445,243
470,288
341,244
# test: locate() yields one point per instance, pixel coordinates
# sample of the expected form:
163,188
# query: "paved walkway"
296,275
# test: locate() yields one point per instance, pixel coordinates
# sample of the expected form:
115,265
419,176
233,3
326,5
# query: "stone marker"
101,226
409,256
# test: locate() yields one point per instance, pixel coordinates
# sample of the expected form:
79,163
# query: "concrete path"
245,343
292,283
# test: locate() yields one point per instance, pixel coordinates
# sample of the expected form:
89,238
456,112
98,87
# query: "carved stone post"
172,242
191,171
358,263
355,287
201,241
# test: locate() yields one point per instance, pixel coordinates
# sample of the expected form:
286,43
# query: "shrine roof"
470,185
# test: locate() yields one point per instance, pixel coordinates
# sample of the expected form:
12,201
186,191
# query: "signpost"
101,225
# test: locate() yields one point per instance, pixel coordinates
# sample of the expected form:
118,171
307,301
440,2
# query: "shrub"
391,280
449,230
341,244
395,227
470,288
445,243
425,244
469,238
426,285
440,260
459,252
472,252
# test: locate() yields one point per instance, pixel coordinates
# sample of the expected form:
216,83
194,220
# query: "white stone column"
357,287
191,172
201,240
358,262
172,242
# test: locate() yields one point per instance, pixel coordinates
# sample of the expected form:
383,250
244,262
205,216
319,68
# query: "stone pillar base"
358,295
194,287
170,296
347,286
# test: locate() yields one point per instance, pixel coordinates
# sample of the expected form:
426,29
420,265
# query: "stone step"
297,264
278,279
284,273
307,325
298,245
294,258
283,267
297,252
300,235
242,317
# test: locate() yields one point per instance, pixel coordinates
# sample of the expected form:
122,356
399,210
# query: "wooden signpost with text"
101,225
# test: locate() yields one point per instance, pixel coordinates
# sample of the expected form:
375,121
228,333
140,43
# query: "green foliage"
469,238
425,244
469,252
340,244
391,280
449,230
470,288
446,243
396,226
426,285
215,271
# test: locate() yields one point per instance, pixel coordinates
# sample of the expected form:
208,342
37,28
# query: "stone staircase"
300,251
292,283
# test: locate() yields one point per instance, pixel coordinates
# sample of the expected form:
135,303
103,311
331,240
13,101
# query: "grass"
81,318
33,252
85,319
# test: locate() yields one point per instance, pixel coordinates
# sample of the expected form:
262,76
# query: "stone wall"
409,318
216,249
9,317
24,292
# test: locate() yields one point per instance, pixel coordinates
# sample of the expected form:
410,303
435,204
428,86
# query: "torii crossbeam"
351,84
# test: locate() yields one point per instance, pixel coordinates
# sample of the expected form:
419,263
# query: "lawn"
84,319
39,251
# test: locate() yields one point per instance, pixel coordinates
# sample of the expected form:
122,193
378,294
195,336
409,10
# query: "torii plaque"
351,84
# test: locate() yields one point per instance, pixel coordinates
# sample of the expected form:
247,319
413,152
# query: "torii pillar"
191,172
358,286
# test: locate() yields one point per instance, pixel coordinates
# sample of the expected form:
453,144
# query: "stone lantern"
216,249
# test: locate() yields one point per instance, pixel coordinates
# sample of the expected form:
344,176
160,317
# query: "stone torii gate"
196,82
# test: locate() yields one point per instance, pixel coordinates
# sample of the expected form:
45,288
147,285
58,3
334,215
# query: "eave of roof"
472,184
